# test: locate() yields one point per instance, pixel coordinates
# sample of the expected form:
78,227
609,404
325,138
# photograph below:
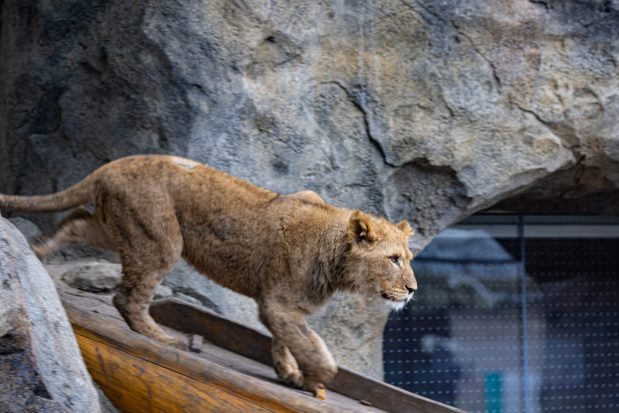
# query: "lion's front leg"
285,365
290,331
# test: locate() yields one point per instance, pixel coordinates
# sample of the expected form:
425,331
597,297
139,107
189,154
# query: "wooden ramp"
230,373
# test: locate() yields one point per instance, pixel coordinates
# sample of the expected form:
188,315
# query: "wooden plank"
224,333
132,354
137,385
192,319
385,396
261,371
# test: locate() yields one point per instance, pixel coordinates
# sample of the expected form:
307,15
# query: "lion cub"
288,252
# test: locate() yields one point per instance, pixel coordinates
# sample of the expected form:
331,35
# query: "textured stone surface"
163,291
101,277
94,277
409,108
26,227
41,368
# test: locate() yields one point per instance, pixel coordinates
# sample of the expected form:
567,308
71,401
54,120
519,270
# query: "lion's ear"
360,227
405,227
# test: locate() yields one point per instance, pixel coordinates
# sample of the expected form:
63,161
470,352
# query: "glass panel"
578,355
459,342
490,332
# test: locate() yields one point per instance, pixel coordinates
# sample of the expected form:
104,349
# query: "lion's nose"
411,289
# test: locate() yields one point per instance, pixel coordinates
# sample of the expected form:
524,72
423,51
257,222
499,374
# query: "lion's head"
379,258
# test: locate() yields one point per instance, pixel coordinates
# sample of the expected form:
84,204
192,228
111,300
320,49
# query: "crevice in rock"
430,196
535,115
542,3
12,342
568,143
426,9
354,99
452,23
41,391
475,48
276,50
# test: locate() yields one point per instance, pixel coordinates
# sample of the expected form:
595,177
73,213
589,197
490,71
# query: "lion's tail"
76,195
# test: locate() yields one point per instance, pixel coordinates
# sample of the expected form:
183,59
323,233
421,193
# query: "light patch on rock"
94,277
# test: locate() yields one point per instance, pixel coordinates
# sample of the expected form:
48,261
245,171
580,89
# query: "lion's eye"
395,259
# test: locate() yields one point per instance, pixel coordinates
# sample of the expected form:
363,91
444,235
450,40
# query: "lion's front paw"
316,388
289,373
320,392
316,379
294,378
285,365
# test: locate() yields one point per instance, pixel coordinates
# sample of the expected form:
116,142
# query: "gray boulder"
94,277
41,368
26,227
101,277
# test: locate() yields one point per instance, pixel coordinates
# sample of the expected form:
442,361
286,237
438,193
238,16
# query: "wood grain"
137,385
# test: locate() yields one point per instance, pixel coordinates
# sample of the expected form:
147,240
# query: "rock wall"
41,368
409,108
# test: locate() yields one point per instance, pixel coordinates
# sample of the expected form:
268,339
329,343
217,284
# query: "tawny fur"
288,252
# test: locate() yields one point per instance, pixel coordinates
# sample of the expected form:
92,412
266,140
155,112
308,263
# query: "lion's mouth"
394,302
388,297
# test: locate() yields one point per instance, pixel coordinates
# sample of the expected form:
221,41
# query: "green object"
493,384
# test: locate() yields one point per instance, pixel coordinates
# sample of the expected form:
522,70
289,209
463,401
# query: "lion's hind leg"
133,300
80,227
149,244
